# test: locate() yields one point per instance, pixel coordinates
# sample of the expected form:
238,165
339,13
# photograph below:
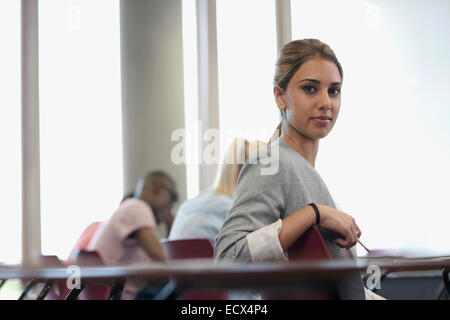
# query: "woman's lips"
322,120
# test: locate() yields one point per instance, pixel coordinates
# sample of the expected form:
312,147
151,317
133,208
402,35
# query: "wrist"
316,213
323,213
311,215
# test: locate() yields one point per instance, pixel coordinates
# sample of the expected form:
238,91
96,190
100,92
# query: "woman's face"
312,99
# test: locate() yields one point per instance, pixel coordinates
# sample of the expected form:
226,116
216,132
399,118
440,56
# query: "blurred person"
86,236
129,236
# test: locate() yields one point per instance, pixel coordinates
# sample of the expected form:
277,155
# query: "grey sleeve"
258,202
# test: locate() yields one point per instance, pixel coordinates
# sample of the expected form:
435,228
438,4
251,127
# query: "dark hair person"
270,212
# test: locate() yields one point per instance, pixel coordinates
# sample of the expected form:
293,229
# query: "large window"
386,162
80,118
246,54
247,51
10,133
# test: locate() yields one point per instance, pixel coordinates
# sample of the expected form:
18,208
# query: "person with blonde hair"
203,216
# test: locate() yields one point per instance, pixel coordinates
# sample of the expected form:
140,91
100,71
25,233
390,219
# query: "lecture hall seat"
193,249
94,291
309,246
84,239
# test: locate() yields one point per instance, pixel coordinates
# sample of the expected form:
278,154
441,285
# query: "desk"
205,273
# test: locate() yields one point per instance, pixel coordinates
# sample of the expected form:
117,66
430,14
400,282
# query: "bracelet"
317,213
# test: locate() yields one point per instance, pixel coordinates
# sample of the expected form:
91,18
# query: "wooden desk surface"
207,273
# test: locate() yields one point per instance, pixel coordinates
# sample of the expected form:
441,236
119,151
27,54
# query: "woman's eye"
335,91
309,89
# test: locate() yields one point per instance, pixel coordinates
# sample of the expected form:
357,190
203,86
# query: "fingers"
355,233
343,243
358,230
345,225
350,238
347,242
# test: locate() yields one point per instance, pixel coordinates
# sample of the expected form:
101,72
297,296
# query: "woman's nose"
324,101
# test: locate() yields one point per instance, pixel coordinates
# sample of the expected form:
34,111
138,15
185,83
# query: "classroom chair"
309,246
84,239
192,249
110,291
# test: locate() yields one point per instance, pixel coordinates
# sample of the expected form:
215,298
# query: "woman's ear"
279,98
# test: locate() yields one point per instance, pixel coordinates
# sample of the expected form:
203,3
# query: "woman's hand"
341,223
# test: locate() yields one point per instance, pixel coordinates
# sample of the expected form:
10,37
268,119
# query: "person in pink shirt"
129,236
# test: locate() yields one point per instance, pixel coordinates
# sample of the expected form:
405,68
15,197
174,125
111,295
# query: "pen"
368,251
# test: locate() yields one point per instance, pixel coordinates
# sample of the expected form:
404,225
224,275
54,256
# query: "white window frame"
208,86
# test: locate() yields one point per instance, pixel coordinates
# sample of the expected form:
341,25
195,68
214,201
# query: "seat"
198,248
81,256
93,291
188,248
84,239
309,246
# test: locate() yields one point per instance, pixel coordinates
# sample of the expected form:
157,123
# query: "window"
386,161
247,51
10,133
80,118
190,94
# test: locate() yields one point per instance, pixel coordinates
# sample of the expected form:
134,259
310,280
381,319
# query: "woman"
203,216
271,211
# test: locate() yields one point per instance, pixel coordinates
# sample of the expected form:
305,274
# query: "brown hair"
297,52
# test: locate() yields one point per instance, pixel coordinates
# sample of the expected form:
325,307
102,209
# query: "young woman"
271,211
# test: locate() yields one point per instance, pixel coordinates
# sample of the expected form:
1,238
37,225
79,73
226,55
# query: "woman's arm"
150,243
295,225
298,222
250,232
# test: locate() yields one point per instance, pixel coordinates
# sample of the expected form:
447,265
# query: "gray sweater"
261,199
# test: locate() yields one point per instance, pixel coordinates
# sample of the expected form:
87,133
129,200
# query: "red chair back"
309,246
193,249
188,248
84,239
91,292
